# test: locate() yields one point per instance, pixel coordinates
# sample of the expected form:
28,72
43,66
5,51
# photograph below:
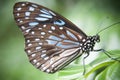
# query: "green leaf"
71,72
106,70
110,73
102,65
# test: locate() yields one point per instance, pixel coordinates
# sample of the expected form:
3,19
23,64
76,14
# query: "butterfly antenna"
108,27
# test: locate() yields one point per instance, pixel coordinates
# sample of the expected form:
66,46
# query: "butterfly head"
93,39
96,38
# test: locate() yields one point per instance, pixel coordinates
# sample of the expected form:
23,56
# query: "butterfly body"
51,41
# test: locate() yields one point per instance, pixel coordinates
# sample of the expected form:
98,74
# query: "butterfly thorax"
88,43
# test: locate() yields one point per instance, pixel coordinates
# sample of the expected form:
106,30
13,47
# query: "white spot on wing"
27,13
34,5
43,33
83,40
37,39
44,25
40,43
31,8
38,47
60,28
42,36
27,30
50,31
22,27
42,65
48,70
28,51
18,19
32,32
34,60
80,48
23,4
46,58
81,44
28,41
19,9
33,55
43,55
26,17
39,28
51,60
52,27
53,66
43,51
38,64
30,44
44,68
18,14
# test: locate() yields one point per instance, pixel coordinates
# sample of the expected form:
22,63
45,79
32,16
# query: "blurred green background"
90,15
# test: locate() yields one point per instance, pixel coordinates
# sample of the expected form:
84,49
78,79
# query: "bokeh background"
90,15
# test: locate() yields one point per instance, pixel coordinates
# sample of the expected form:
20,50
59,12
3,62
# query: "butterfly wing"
51,41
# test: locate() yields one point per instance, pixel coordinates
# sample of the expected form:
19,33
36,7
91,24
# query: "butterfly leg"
107,53
84,63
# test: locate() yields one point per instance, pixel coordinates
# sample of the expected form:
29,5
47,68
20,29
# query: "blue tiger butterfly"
51,41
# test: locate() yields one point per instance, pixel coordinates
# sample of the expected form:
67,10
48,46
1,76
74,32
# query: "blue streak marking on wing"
71,34
55,38
70,44
62,35
59,22
51,42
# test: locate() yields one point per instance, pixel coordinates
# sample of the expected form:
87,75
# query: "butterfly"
51,41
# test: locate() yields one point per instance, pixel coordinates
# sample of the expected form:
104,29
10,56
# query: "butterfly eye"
51,41
97,38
